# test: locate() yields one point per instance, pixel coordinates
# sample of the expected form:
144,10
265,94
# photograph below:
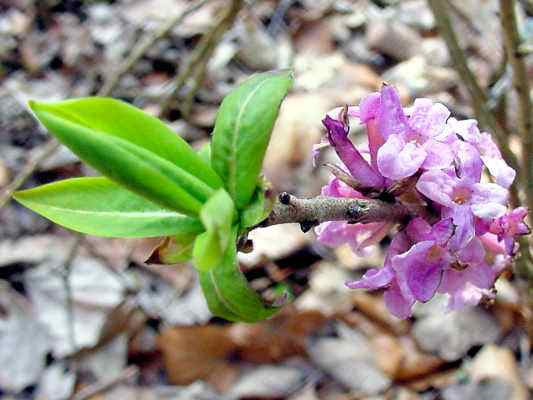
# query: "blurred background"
86,318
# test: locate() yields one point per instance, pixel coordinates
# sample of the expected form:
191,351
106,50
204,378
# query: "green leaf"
98,206
134,167
173,249
217,215
257,210
205,153
124,121
227,291
207,252
242,131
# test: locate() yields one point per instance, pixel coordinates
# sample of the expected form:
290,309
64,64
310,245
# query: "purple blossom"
460,234
463,200
486,149
509,226
413,140
349,155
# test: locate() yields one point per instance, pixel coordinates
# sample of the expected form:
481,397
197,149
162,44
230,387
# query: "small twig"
101,387
144,45
201,55
522,88
49,148
310,212
69,301
478,96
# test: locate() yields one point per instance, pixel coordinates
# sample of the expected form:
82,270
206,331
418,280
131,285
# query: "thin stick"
46,152
522,88
146,43
201,54
101,387
310,212
65,275
478,96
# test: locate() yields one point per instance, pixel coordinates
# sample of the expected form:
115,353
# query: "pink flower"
419,270
463,200
471,237
467,287
349,155
509,226
384,278
413,140
486,149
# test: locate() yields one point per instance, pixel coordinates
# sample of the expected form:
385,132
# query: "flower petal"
337,188
499,169
352,159
469,163
463,219
492,158
418,272
467,129
375,278
428,119
391,118
396,303
369,107
488,210
489,192
437,186
472,253
398,160
439,155
419,230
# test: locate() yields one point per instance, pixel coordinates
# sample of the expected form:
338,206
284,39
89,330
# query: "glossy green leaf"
119,119
205,153
207,252
257,210
242,131
98,206
227,291
134,167
217,215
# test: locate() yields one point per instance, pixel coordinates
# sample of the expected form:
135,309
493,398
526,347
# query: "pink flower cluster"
460,234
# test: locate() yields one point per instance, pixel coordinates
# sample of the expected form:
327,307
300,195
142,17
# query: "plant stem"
311,212
478,96
522,88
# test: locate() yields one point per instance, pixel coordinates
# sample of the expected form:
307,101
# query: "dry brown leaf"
277,339
374,307
198,353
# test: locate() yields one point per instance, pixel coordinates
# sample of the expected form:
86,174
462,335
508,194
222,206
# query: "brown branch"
478,96
522,88
311,212
196,64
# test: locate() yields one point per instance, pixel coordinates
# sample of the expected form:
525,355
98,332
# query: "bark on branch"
311,212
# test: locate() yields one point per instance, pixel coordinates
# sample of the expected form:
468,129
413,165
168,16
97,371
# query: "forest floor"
86,318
